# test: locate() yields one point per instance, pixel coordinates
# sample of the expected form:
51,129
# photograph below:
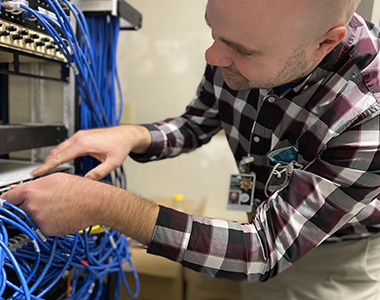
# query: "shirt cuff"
156,148
171,234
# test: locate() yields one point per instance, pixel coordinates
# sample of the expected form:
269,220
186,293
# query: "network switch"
18,172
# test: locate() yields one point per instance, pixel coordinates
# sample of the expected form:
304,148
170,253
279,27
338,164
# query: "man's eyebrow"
236,46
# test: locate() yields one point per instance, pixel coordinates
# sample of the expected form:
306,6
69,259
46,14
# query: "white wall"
160,67
370,10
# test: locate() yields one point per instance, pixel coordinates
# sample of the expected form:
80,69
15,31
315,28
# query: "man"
295,86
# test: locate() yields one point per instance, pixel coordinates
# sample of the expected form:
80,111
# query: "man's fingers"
46,167
13,196
55,159
100,171
58,149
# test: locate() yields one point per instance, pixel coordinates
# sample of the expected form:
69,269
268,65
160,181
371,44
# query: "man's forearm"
129,214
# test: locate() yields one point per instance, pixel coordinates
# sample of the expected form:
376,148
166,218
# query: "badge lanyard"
242,185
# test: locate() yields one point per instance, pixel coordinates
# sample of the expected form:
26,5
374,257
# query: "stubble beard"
295,68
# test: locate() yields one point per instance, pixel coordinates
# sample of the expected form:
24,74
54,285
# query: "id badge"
240,196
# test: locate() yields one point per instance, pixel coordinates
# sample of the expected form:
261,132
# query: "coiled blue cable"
39,266
103,35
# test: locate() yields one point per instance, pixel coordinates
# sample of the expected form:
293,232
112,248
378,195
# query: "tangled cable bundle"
84,260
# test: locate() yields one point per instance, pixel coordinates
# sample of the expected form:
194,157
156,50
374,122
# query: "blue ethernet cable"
77,61
17,269
63,270
103,33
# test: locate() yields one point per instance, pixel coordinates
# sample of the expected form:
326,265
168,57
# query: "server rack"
39,104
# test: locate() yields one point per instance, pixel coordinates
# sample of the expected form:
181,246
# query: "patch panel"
21,38
15,15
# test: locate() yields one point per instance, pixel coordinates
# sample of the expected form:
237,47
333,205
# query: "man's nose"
217,55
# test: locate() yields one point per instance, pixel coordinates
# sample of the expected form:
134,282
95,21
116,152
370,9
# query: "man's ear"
329,41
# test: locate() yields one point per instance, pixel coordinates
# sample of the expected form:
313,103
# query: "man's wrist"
141,137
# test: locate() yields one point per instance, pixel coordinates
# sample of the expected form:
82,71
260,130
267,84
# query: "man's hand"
53,202
110,146
62,204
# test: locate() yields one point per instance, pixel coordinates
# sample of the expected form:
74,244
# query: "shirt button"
256,139
257,202
271,99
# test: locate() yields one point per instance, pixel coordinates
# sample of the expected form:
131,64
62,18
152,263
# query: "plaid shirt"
332,122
